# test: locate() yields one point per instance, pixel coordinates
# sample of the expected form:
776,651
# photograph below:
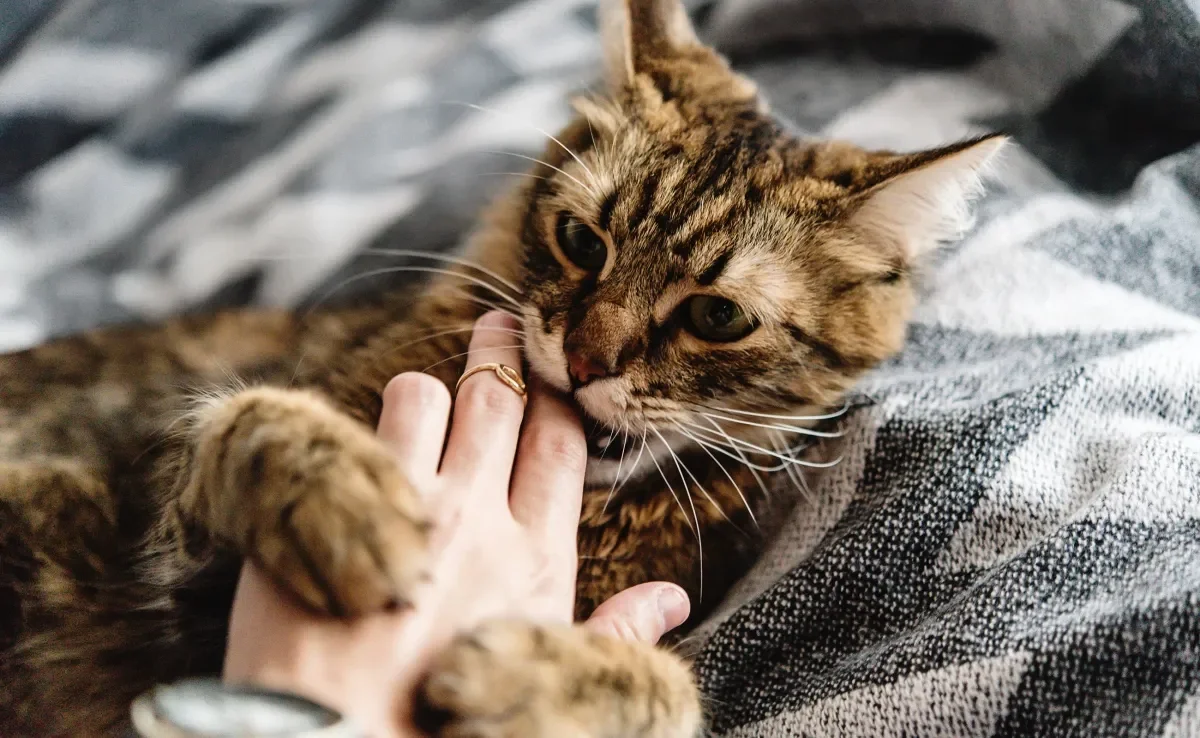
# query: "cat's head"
684,254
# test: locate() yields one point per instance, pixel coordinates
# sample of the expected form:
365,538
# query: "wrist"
209,708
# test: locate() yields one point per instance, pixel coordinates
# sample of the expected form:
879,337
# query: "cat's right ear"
922,200
633,32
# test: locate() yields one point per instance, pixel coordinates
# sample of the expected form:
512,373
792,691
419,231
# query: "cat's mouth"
605,442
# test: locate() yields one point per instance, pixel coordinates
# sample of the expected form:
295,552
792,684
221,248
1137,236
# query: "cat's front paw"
520,680
316,501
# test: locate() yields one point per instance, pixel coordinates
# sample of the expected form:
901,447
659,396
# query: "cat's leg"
308,493
522,680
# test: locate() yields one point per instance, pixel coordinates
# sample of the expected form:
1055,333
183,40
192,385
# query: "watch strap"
210,708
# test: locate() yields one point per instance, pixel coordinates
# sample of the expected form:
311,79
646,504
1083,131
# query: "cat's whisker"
684,469
724,471
792,472
686,647
637,460
755,448
483,302
620,462
785,428
447,258
733,443
410,268
768,416
695,529
691,502
530,175
450,332
740,457
752,468
296,370
733,453
564,173
564,147
464,353
592,133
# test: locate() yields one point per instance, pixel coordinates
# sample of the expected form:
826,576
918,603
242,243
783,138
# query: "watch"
210,708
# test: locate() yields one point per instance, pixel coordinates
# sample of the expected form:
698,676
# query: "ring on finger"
511,377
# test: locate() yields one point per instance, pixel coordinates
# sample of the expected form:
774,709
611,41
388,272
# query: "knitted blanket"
1011,544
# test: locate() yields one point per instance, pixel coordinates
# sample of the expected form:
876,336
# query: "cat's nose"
583,368
602,345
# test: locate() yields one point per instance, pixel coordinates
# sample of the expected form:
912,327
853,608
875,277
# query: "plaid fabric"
1011,546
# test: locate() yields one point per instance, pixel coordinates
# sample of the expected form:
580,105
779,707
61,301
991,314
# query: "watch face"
209,707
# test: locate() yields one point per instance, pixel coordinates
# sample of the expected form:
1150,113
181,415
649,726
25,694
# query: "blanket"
1011,543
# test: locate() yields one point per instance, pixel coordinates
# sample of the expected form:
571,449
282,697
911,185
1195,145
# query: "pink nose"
584,369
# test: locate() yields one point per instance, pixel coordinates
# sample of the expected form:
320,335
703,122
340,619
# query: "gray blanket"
1011,546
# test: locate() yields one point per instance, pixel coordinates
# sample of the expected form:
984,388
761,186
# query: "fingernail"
674,606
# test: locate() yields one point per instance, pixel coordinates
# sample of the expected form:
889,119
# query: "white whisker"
792,472
536,160
724,471
620,462
637,460
683,469
464,353
738,456
767,452
563,146
691,503
771,426
672,491
734,453
513,174
466,329
447,258
412,268
482,302
793,418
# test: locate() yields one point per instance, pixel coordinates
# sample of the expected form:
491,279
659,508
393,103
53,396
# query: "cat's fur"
125,511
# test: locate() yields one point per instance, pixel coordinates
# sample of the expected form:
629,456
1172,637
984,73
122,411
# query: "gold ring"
506,374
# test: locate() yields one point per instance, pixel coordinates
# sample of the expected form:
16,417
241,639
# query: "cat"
694,276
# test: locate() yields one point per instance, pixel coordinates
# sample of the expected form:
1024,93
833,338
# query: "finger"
547,487
416,411
643,613
487,412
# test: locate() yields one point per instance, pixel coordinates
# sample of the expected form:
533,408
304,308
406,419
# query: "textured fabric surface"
1011,543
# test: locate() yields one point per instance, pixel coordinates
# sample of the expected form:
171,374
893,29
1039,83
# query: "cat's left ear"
636,32
922,200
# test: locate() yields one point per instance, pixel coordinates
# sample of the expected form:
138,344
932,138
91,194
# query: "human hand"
503,547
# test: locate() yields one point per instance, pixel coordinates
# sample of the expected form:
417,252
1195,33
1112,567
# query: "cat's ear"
923,200
634,31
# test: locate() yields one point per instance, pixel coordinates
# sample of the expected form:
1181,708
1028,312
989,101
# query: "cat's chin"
605,442
611,453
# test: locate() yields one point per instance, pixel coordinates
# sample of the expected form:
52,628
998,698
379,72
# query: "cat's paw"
319,503
521,680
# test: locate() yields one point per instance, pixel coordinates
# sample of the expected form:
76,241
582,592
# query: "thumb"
643,613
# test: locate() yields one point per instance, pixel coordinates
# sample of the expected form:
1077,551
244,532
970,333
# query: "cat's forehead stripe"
645,200
713,271
604,218
719,215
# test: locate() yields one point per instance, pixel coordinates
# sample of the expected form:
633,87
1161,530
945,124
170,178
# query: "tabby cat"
697,279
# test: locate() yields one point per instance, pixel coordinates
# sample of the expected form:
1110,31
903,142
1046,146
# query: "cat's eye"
580,243
717,319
